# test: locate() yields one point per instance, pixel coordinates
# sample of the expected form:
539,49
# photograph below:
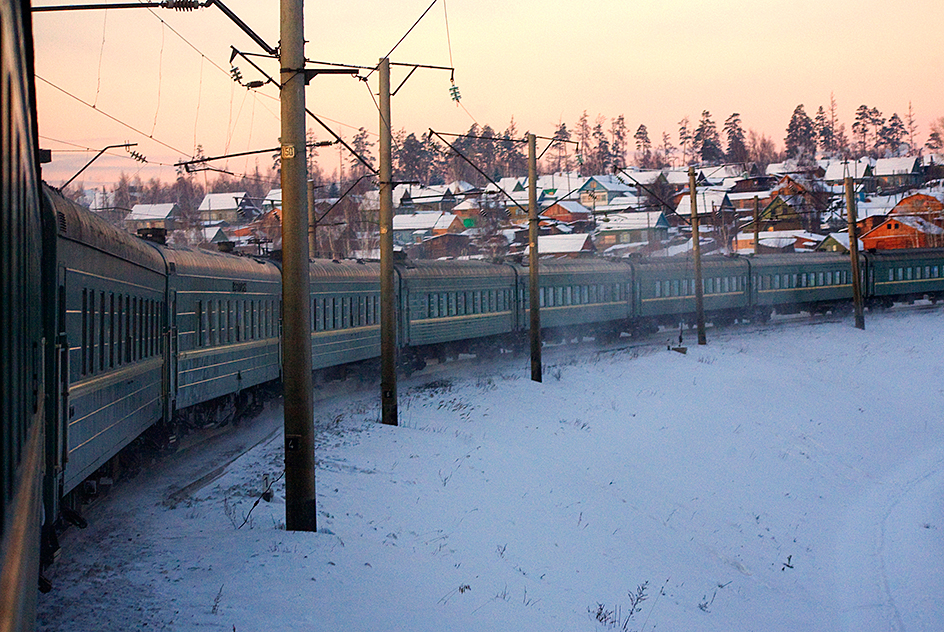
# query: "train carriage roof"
804,259
78,224
675,264
328,270
195,262
454,269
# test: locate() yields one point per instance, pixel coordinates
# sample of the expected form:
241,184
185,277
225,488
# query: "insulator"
182,5
236,74
454,93
254,84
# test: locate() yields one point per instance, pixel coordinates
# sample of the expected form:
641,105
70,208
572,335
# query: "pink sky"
539,62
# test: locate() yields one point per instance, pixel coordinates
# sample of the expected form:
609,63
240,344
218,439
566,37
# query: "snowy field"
787,477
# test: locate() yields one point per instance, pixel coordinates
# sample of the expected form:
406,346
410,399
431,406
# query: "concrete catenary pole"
533,277
388,333
296,339
854,254
696,251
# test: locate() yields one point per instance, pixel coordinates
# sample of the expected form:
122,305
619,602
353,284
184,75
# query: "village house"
233,208
631,228
896,173
903,231
164,216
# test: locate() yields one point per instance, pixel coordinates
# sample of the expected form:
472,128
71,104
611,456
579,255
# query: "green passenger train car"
664,291
345,312
905,275
814,282
223,314
456,300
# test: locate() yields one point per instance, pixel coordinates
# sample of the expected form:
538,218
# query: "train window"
198,328
361,311
111,329
451,296
349,306
84,330
541,301
239,321
658,292
675,288
502,300
934,272
776,281
795,281
908,273
684,287
120,332
829,277
101,332
128,340
477,302
900,274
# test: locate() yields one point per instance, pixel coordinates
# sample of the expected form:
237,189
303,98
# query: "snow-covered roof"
423,221
574,208
213,235
145,212
561,244
895,166
619,204
839,169
223,201
843,240
631,221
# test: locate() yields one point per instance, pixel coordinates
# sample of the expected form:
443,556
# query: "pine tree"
562,135
800,141
861,128
893,134
737,150
705,141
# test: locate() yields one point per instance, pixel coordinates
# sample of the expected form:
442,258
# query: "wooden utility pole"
854,254
533,277
388,333
696,251
296,348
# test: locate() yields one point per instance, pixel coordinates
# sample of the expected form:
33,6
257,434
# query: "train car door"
172,355
58,436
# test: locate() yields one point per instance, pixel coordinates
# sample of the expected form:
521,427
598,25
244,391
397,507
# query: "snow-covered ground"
787,477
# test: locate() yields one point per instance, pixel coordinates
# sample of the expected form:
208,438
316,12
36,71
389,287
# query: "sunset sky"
539,62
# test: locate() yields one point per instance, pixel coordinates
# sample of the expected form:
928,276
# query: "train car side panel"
112,292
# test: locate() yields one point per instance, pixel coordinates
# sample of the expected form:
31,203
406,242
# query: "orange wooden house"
903,231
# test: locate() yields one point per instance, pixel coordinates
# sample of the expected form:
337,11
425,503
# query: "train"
146,335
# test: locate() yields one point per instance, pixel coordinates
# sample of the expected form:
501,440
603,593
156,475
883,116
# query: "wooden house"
153,216
903,231
921,205
631,228
895,173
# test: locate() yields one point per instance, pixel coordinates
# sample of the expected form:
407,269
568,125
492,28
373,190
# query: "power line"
113,118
